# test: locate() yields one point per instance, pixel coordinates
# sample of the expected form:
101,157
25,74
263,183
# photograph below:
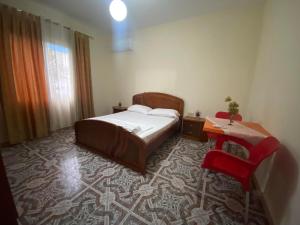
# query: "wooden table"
192,128
210,128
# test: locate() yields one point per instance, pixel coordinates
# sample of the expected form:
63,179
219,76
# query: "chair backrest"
263,149
226,115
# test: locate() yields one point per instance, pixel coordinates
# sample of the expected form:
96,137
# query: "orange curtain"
83,76
22,77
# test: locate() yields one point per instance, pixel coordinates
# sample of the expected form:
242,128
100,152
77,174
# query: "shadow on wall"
282,183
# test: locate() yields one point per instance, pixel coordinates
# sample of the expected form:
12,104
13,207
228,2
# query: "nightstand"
192,128
117,109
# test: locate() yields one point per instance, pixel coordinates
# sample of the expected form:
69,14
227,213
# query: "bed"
125,147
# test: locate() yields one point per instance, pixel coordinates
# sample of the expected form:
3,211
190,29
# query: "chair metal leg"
198,187
228,147
206,173
209,143
247,207
200,180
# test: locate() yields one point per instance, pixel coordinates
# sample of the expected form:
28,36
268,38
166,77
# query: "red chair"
226,138
226,115
241,169
223,115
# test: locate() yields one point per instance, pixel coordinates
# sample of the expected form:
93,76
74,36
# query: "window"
59,66
58,44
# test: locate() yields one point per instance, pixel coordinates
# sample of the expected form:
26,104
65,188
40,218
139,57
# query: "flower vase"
231,119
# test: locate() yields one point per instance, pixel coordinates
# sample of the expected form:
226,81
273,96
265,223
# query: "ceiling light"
118,10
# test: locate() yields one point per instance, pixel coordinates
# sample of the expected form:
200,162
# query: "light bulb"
118,10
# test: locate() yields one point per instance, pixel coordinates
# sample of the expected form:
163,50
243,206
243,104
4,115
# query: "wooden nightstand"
117,109
192,128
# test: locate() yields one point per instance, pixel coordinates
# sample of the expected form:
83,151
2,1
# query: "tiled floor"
56,182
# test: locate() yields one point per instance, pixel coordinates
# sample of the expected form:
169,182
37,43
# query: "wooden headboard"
159,100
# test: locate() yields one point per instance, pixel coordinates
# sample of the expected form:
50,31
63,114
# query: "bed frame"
122,146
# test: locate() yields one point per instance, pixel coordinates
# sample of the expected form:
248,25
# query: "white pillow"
139,108
164,112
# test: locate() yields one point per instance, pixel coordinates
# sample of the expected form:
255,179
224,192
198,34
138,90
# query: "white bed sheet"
151,124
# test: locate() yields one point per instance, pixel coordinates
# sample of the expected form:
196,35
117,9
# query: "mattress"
150,125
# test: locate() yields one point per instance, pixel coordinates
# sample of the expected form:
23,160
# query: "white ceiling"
141,13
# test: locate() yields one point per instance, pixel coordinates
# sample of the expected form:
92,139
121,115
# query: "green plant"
233,107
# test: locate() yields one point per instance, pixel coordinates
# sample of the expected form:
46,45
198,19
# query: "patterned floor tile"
53,150
155,161
86,209
182,170
227,189
132,220
17,156
192,149
229,212
39,195
168,203
158,156
83,164
54,181
24,175
65,136
124,186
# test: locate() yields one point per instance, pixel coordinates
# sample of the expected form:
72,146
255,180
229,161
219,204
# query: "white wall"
274,101
99,46
201,59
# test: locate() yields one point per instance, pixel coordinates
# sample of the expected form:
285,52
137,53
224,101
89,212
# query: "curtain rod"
21,10
69,28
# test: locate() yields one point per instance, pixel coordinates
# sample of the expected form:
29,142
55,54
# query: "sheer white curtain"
58,44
